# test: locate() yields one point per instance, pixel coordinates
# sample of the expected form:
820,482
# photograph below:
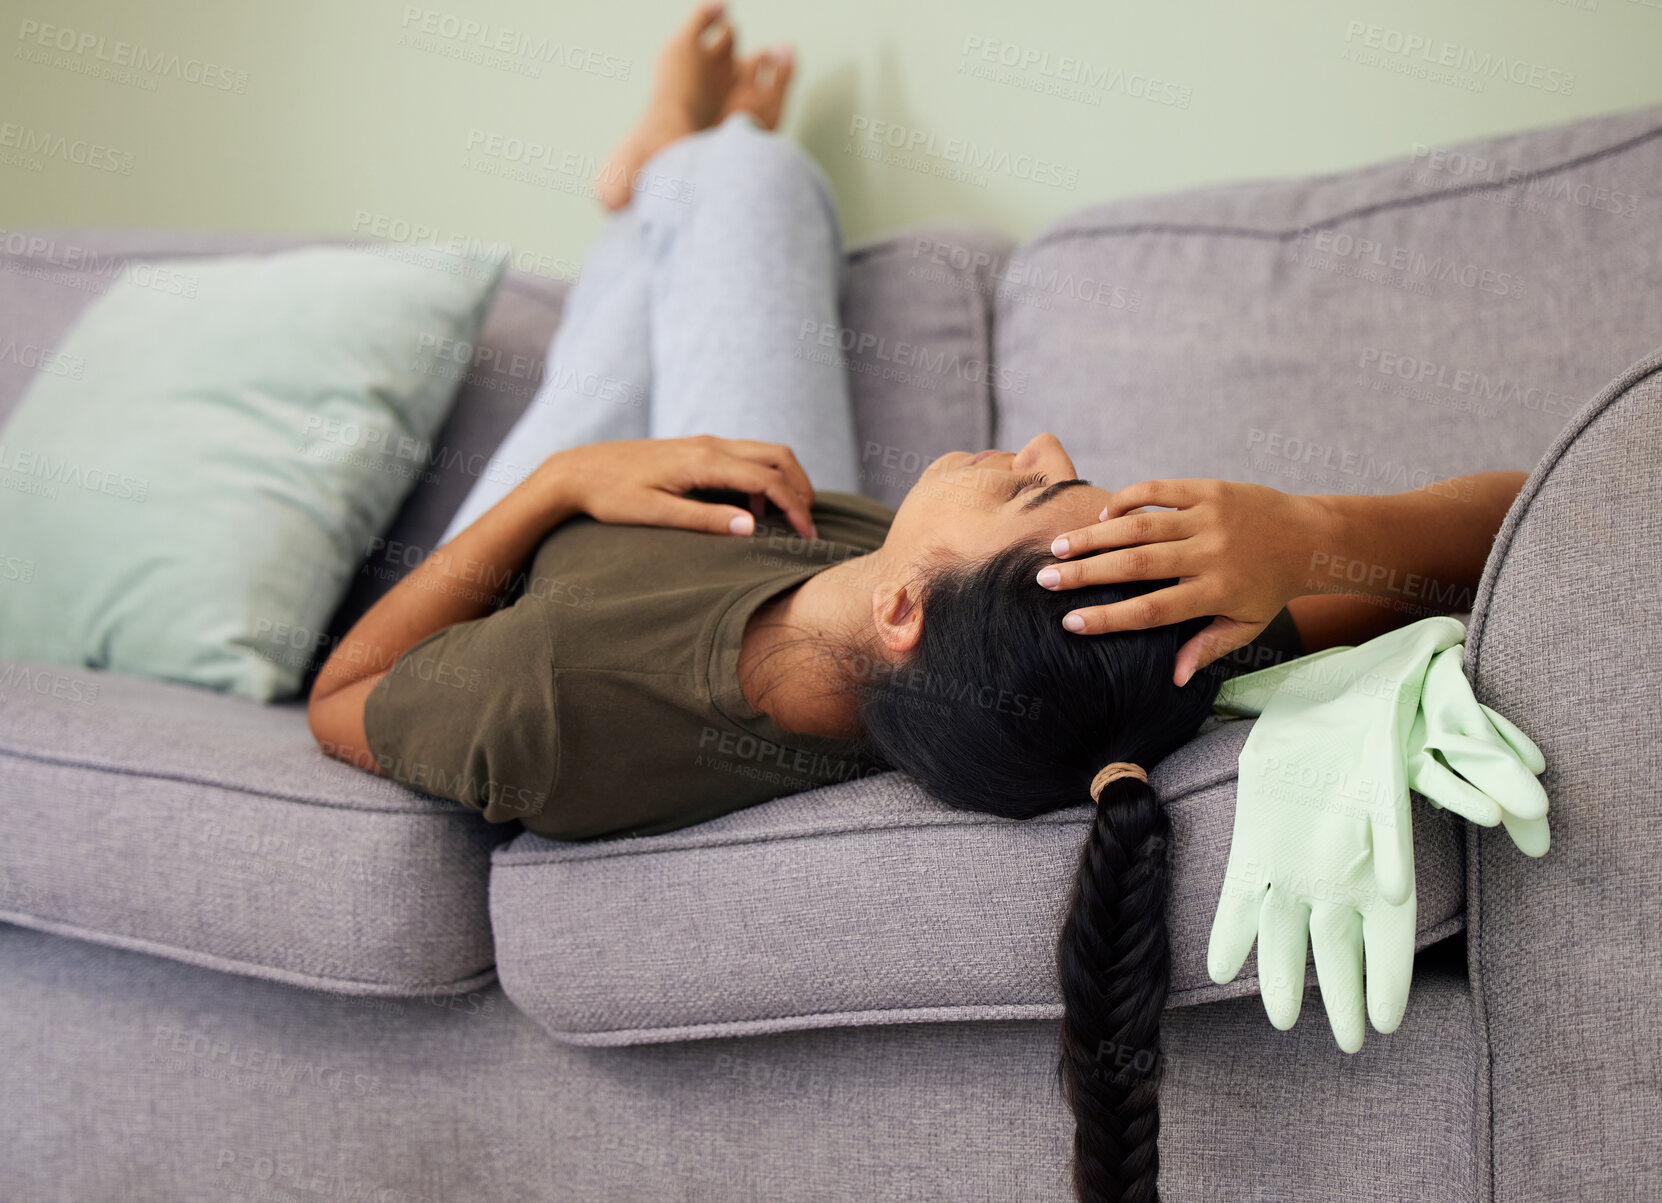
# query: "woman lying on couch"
631,641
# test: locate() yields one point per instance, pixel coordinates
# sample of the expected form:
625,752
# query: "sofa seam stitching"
1049,819
1401,202
1049,1006
197,958
530,284
188,779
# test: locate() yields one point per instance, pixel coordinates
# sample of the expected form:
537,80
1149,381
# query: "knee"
741,157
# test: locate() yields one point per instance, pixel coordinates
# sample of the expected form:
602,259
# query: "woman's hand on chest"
644,482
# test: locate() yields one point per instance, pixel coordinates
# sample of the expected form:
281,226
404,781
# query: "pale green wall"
338,117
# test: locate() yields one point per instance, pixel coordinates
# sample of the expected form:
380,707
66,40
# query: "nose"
1044,453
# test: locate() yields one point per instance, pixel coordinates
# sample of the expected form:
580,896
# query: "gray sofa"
231,967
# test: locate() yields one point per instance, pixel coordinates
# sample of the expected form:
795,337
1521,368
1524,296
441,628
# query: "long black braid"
1066,706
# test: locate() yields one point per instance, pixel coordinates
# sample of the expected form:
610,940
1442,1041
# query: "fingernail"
1103,517
1049,578
1059,548
742,524
1074,623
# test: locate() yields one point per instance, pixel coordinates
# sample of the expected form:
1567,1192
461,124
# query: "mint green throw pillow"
196,500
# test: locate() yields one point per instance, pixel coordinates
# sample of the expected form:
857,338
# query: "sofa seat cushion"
863,903
1363,332
192,825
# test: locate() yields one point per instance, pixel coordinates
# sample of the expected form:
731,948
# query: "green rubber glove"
1464,756
1322,854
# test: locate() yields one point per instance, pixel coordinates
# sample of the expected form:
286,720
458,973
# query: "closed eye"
1023,483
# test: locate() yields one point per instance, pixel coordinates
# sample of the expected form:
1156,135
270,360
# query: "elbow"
322,729
317,716
314,723
336,720
327,722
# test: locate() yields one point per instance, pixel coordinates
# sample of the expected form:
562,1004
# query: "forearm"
1381,561
462,580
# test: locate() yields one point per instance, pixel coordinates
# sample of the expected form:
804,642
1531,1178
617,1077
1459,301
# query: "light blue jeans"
699,311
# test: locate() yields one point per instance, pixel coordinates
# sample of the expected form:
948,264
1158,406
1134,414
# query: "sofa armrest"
1566,952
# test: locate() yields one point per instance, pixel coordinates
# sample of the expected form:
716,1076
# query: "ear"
898,617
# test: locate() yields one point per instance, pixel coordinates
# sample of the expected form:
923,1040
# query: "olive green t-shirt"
605,700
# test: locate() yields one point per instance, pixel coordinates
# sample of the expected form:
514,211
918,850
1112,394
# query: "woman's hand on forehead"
1239,553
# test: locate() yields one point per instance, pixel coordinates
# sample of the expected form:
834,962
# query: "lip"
976,459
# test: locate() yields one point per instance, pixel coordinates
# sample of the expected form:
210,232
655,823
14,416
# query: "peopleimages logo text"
962,152
50,145
1436,52
537,46
120,53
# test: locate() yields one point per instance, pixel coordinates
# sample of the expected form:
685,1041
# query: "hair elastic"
1113,772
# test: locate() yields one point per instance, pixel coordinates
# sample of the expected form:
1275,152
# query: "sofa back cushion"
916,343
916,337
1363,332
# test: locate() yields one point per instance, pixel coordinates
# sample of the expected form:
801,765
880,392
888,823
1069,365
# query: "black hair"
1000,709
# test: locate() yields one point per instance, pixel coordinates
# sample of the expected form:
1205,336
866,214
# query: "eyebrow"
1051,491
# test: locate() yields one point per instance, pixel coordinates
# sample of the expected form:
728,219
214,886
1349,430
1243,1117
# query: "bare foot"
759,86
695,74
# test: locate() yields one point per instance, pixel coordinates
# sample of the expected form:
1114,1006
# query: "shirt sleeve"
1276,643
469,714
1281,637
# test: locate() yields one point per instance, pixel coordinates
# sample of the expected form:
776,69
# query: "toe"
777,73
704,16
721,46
